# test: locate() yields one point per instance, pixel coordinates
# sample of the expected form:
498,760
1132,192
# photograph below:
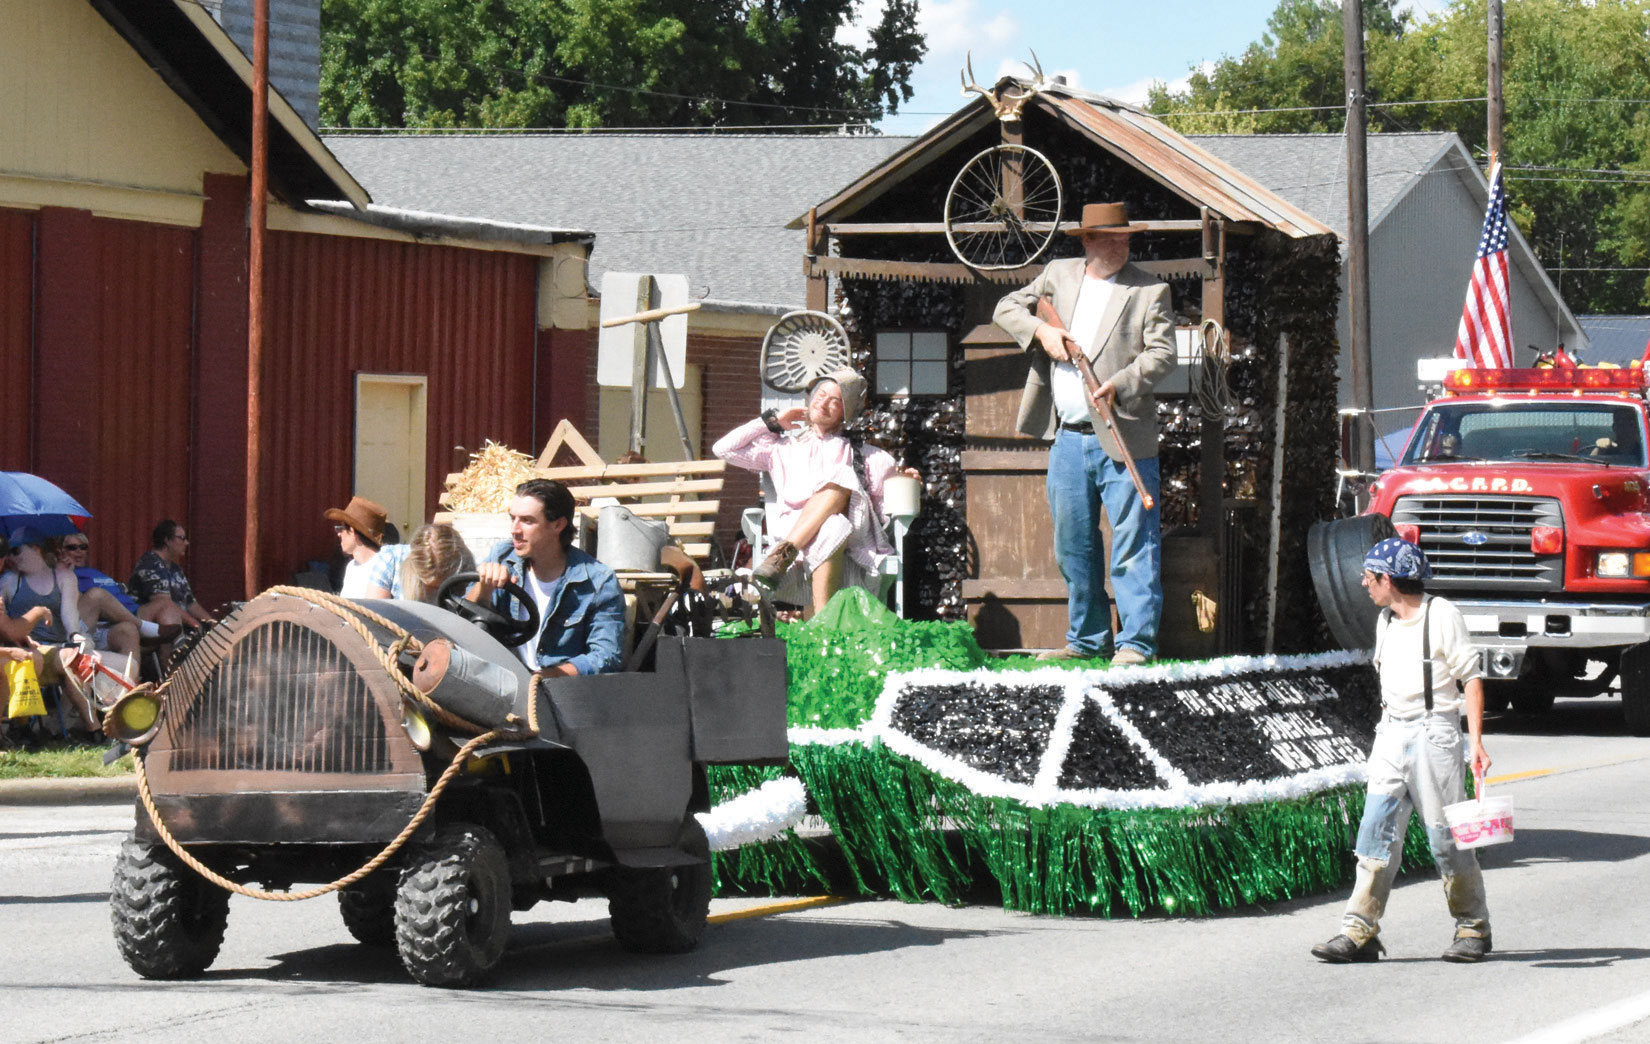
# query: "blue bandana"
1399,559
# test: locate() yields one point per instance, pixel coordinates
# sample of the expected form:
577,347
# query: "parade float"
937,773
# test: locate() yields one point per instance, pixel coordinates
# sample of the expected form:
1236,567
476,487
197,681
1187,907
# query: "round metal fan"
800,347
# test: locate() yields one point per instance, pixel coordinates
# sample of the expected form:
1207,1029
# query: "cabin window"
913,362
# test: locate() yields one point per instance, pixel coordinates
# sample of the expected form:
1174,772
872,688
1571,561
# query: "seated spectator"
360,529
417,569
829,489
35,586
162,591
105,605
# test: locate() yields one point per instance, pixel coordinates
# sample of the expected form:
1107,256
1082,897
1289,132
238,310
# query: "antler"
1037,66
970,87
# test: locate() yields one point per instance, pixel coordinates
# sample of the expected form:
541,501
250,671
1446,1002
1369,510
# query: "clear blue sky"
1116,48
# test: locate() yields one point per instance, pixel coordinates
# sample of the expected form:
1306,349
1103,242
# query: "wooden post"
1497,106
1357,229
255,285
1211,491
641,372
818,295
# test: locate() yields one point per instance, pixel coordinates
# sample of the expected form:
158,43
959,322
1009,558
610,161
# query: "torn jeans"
1418,763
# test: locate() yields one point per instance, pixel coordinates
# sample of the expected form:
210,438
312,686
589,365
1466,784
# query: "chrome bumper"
1504,630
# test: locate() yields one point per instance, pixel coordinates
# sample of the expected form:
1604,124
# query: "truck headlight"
1614,564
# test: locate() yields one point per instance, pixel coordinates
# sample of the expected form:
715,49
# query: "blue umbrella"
29,500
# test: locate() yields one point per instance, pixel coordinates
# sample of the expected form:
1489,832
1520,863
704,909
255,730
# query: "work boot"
1128,657
772,570
1467,949
1068,653
1342,950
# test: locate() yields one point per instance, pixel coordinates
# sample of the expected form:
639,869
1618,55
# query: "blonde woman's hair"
437,552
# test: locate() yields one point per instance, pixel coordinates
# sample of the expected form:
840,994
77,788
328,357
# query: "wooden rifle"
1046,312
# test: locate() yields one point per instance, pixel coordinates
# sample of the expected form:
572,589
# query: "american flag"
1485,336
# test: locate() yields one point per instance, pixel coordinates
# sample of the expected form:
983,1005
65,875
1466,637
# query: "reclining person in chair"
829,489
581,609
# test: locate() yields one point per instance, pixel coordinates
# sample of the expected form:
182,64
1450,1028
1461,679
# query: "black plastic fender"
1335,550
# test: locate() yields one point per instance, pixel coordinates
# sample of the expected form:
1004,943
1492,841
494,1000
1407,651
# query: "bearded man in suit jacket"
1120,315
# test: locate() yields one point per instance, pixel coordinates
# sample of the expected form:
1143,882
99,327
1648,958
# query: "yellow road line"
769,909
1513,777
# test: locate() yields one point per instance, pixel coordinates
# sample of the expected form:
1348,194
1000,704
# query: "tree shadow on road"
1597,716
582,954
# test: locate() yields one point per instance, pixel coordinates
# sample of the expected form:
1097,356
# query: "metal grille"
283,698
1483,542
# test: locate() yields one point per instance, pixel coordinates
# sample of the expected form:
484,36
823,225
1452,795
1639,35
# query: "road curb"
90,790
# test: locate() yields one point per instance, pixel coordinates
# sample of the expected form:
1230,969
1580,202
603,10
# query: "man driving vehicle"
580,607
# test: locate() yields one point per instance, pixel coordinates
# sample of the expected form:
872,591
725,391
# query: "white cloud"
1134,93
854,34
955,26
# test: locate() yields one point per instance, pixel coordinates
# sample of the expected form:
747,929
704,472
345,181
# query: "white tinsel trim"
1080,686
756,815
803,736
1168,772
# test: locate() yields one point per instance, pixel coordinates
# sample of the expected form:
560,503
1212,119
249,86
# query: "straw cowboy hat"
362,515
1106,217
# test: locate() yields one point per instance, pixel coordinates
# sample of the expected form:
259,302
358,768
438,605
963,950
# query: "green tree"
1575,73
594,63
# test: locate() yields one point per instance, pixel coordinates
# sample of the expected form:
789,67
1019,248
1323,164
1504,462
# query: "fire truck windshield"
1538,430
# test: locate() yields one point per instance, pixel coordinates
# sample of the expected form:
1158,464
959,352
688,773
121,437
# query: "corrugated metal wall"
137,386
16,335
338,307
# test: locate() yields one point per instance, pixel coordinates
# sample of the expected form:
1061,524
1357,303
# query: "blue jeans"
1082,480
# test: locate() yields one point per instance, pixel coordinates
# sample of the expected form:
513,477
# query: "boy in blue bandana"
1429,677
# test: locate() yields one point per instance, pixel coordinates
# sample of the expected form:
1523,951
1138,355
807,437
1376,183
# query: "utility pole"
1357,231
255,284
1497,106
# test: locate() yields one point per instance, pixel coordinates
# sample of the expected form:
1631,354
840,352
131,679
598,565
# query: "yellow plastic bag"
25,700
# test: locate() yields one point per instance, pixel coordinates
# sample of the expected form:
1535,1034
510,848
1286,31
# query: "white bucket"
901,495
624,541
1478,822
481,531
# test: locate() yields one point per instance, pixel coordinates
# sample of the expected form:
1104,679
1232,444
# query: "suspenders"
1426,646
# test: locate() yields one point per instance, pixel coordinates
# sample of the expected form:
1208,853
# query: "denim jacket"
585,624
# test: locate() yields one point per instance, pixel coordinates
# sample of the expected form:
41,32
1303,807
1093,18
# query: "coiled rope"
352,614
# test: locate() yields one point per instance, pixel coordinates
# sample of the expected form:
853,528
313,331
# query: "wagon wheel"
1003,209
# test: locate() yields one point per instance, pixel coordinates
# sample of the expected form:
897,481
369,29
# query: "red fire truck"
1529,491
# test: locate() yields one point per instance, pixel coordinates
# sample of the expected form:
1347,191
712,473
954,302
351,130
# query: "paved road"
1565,898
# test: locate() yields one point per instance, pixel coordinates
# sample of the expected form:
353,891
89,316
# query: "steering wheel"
508,630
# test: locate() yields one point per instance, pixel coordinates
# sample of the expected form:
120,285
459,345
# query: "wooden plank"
613,471
660,509
1034,458
696,550
1030,590
895,228
935,271
623,491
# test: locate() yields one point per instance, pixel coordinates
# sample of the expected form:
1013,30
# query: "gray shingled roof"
1615,338
711,206
1309,170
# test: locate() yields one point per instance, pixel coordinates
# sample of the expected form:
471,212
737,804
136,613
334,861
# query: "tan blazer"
1134,349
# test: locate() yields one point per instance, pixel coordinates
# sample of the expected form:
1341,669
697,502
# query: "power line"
1314,108
460,132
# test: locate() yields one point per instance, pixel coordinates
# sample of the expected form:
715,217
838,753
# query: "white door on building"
390,439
